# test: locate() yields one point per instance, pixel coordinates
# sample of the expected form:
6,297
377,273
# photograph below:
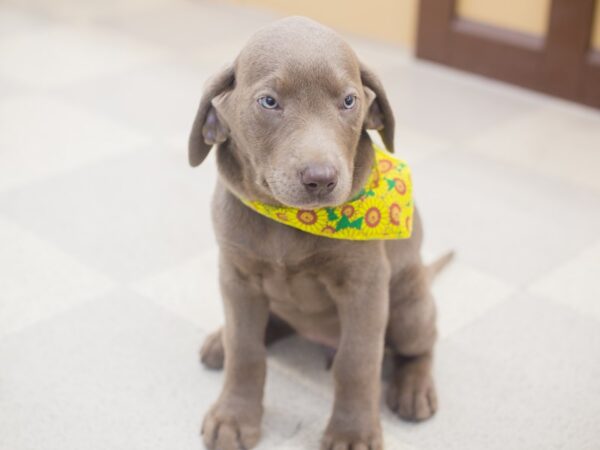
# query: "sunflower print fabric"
383,209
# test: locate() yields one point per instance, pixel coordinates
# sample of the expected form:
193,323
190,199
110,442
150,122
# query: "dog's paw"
352,440
212,353
227,432
412,397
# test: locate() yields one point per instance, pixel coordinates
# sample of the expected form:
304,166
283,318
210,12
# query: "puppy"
289,118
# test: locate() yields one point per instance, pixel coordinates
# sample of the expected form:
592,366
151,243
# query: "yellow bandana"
383,209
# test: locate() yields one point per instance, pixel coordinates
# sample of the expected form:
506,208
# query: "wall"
596,32
527,16
388,20
395,20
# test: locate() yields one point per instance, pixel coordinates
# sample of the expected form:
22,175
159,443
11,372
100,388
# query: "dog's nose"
319,179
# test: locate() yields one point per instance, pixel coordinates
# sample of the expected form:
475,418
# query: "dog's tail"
439,264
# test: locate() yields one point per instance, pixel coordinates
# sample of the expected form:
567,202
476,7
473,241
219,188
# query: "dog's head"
291,116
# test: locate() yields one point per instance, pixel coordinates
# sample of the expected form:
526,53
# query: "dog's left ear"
379,116
208,129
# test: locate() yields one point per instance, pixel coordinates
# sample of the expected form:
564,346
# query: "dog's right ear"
208,129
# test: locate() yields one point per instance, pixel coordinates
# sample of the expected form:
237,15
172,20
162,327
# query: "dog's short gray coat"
354,296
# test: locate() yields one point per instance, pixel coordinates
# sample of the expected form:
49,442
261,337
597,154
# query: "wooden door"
561,62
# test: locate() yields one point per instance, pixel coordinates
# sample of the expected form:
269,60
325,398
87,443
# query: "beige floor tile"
39,280
447,104
520,377
464,294
129,216
87,11
575,283
8,89
14,20
377,55
89,379
211,59
190,290
505,220
193,26
412,145
158,99
56,56
558,140
42,136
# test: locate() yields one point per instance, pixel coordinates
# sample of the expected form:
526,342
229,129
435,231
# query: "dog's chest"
292,290
301,299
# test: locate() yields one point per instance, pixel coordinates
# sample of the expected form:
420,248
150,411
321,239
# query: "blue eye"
349,101
268,102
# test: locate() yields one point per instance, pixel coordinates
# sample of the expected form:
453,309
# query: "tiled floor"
108,261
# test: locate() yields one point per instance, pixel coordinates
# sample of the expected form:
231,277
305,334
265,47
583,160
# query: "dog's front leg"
362,301
234,420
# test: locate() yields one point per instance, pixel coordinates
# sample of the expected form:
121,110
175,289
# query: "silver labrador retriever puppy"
289,117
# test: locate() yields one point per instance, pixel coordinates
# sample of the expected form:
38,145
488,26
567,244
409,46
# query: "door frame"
561,63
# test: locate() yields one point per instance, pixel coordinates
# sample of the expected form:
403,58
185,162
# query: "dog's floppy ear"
380,116
208,129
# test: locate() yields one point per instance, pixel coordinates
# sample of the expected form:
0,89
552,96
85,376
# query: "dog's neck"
237,174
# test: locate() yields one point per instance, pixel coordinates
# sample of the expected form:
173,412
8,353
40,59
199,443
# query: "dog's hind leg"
212,353
411,335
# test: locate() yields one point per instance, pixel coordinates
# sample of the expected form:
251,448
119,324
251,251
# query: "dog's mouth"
312,201
325,202
302,200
